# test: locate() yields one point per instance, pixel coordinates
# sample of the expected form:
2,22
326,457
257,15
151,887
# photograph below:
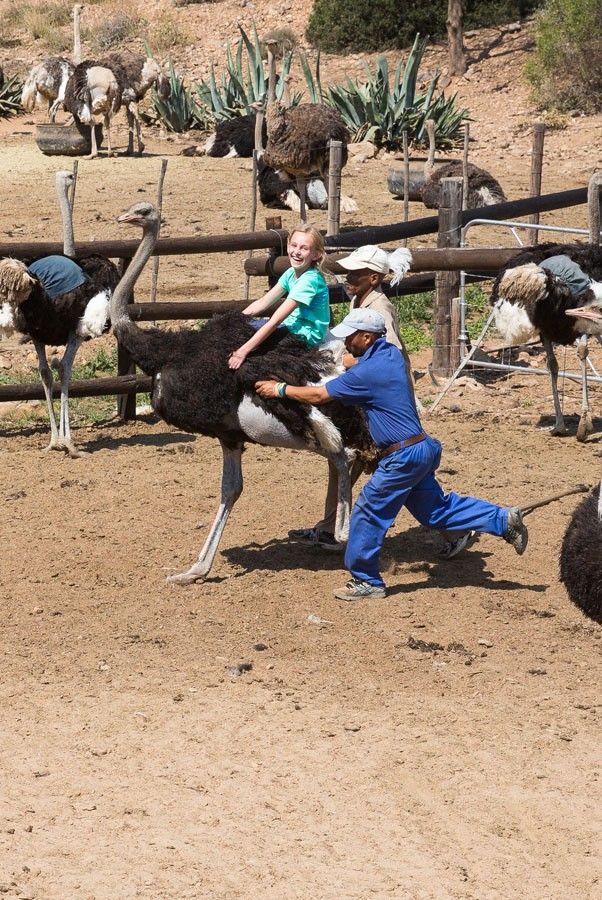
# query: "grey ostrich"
299,136
92,95
56,301
136,74
554,291
581,556
483,189
194,389
47,81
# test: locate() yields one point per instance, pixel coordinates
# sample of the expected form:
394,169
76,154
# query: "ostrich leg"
301,187
231,491
559,427
108,127
65,367
130,118
94,148
586,425
341,462
46,376
134,122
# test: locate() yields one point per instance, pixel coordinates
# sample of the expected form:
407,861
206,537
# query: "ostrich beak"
129,217
585,312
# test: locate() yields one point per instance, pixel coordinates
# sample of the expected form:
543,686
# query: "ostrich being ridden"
57,301
195,390
550,291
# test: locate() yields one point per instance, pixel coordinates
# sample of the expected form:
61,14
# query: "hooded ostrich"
135,75
552,291
47,81
298,137
483,189
57,301
93,94
581,556
194,389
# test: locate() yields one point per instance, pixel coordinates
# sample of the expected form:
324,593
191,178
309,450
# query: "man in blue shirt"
408,459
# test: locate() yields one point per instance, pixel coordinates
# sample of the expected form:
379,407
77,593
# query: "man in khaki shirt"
365,268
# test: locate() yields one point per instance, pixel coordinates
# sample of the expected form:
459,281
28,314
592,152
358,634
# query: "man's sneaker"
315,538
355,589
457,544
516,531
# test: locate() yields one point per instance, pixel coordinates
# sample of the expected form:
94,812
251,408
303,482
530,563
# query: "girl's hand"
266,388
237,359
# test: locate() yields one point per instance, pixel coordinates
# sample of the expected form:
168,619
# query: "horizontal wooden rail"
87,387
486,259
220,243
513,209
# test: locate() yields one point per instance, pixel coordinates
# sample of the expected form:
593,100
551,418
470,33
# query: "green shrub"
10,98
566,72
372,25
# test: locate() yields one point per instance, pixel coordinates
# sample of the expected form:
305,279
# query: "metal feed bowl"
66,140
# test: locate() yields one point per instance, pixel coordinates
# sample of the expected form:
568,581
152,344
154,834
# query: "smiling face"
302,252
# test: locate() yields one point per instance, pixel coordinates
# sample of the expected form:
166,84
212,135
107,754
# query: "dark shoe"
456,545
516,531
355,589
315,538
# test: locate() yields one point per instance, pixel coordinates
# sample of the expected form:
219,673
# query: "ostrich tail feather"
15,281
29,94
523,285
400,261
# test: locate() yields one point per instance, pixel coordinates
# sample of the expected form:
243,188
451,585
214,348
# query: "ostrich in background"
581,556
298,137
483,189
32,307
194,389
135,75
93,95
47,81
554,291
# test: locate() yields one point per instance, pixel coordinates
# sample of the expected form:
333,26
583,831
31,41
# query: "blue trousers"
406,478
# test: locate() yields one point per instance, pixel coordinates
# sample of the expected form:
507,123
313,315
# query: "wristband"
281,389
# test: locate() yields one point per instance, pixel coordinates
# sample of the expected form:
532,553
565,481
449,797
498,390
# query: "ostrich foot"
558,430
190,577
68,448
585,427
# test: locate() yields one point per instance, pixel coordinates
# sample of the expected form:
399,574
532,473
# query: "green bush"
566,72
371,25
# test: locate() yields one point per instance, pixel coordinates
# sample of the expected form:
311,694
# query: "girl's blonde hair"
317,239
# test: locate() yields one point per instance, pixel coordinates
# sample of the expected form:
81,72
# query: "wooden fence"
426,262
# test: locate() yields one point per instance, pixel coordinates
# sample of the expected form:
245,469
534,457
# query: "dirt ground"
440,743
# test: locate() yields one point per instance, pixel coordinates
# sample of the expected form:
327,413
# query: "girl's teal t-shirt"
311,318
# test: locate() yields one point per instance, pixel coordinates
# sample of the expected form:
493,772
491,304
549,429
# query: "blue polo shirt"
379,384
58,275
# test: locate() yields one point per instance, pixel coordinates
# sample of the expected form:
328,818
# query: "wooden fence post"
594,200
539,130
126,403
334,187
272,223
406,181
446,283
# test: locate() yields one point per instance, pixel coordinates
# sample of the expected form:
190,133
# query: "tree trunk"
455,42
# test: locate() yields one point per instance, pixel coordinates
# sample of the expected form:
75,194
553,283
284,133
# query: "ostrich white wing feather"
7,319
513,323
400,261
95,319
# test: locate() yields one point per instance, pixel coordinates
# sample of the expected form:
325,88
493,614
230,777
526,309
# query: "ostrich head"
152,74
591,313
143,214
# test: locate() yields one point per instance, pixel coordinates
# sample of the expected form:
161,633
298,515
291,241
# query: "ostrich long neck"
121,294
62,189
430,162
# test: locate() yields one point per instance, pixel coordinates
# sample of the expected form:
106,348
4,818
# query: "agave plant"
10,98
242,83
381,111
179,111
